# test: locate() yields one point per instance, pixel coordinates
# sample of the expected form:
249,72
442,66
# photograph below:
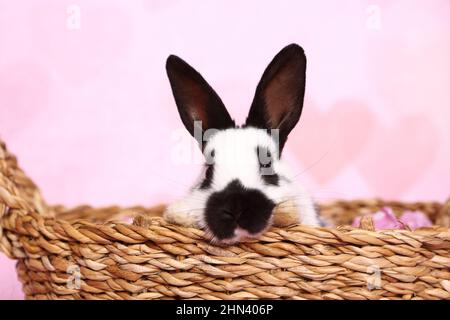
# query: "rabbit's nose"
232,213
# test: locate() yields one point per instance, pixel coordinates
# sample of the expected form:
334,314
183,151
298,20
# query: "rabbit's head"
243,172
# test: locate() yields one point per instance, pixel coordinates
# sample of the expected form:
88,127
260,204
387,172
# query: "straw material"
87,253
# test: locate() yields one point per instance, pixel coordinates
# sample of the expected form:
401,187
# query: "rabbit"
244,178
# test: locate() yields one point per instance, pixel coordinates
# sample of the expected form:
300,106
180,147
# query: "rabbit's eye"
265,161
264,157
266,169
209,156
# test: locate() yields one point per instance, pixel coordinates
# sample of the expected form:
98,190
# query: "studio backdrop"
86,106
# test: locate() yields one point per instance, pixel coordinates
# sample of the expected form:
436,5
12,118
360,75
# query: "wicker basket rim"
34,217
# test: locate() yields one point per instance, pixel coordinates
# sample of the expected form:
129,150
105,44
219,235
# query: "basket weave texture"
89,253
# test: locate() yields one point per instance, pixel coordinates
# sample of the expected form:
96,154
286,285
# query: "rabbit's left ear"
278,100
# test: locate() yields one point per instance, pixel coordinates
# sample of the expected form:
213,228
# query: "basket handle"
17,191
19,196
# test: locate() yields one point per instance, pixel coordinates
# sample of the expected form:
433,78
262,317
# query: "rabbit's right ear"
279,96
195,99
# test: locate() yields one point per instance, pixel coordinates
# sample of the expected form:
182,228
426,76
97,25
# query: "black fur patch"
272,179
237,206
207,181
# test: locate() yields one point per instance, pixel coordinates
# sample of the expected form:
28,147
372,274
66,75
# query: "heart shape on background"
399,155
326,142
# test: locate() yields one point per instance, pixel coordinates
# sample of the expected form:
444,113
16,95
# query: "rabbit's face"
240,178
241,174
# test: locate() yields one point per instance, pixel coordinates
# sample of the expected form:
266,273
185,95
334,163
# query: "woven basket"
87,253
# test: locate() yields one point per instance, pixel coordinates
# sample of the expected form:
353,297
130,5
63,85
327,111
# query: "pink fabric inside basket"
386,219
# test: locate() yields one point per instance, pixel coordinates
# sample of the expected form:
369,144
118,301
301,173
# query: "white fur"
236,158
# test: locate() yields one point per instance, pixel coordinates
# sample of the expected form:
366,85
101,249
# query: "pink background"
90,115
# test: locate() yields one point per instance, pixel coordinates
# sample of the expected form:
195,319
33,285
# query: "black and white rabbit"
244,178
